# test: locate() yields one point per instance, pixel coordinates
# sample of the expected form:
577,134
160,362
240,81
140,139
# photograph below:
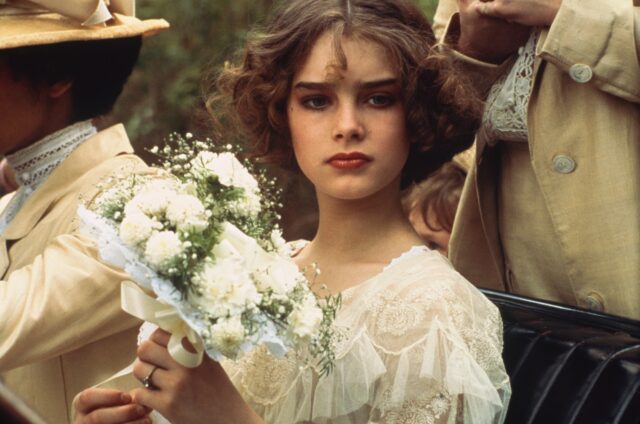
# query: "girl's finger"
161,337
93,398
155,354
154,375
117,414
148,398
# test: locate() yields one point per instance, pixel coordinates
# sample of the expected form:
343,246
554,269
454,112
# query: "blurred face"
23,112
348,126
434,239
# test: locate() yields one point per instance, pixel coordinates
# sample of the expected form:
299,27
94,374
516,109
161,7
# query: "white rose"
187,212
162,248
136,228
226,167
306,318
227,335
244,245
281,276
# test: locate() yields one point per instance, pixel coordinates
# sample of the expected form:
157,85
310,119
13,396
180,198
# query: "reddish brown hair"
441,115
440,193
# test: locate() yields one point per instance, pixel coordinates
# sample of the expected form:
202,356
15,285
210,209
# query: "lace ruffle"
505,116
419,344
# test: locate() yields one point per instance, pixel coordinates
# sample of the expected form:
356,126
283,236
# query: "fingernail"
125,397
140,410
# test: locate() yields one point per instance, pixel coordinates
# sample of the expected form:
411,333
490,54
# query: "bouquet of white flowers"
202,236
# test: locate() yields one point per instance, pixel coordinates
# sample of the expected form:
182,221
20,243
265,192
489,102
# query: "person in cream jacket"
61,65
551,208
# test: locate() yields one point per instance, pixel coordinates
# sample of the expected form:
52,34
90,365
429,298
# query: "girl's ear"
60,88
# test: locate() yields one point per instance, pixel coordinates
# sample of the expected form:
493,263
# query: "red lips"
351,160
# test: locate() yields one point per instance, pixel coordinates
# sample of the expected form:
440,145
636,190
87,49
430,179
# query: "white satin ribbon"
137,303
88,12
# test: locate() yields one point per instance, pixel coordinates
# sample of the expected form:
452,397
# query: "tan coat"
61,326
584,109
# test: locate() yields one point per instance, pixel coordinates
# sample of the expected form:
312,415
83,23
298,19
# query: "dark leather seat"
569,365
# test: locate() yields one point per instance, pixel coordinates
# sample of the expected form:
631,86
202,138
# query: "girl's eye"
380,100
316,102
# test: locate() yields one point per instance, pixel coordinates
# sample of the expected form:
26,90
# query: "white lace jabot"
34,163
505,115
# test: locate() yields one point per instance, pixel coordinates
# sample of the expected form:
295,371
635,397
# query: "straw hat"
37,22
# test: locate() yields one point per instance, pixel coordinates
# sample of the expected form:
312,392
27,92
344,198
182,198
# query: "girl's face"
348,126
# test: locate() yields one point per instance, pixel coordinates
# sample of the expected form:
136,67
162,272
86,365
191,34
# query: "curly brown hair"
441,116
439,193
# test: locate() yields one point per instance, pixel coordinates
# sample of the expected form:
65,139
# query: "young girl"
356,92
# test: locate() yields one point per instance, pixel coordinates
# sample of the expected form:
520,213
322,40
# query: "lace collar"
34,163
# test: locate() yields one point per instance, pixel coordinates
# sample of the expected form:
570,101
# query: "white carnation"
136,228
306,318
162,248
153,198
187,212
150,203
227,335
225,288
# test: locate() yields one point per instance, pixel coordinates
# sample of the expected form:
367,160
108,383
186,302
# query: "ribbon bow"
137,303
89,12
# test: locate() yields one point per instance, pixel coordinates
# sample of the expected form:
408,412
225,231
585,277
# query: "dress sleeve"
441,345
66,286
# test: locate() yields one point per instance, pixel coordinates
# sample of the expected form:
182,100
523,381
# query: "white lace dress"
420,345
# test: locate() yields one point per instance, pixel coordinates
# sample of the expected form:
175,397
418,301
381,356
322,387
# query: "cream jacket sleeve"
601,35
63,300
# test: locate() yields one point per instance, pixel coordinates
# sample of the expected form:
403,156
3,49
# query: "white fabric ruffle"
418,344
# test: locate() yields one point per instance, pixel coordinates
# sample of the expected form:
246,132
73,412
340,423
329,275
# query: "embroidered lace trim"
34,163
416,344
505,116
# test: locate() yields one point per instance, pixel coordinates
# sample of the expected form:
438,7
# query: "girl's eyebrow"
309,85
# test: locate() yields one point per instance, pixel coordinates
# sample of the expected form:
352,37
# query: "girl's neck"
369,230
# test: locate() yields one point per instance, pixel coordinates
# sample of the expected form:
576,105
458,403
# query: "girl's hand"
107,406
523,12
187,395
485,37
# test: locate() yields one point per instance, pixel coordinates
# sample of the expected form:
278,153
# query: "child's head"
431,205
439,117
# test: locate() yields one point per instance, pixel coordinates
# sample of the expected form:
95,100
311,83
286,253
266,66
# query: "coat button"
581,73
564,164
594,302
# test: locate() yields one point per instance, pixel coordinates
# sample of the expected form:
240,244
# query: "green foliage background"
164,93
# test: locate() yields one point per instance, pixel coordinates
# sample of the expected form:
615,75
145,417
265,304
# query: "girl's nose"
348,126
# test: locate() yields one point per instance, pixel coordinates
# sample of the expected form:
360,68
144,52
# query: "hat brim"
51,28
